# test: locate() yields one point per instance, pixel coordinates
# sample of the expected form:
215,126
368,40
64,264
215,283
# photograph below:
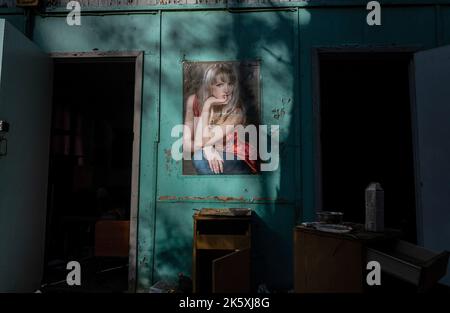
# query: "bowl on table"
329,217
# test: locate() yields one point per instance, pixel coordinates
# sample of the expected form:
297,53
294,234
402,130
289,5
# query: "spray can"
374,207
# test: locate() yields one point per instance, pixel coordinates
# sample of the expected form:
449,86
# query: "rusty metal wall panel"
189,3
114,3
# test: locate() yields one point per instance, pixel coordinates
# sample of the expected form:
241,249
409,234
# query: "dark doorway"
366,135
90,173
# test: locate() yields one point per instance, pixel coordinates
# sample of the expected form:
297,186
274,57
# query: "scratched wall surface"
282,41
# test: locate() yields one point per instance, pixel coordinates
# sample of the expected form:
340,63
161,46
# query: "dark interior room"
366,135
90,172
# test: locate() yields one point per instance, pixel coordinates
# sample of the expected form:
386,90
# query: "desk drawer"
222,242
411,263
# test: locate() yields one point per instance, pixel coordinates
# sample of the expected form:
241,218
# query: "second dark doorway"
366,135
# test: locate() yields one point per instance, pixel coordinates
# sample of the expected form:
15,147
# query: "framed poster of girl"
219,97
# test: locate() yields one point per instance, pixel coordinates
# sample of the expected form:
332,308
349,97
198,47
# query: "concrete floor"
98,275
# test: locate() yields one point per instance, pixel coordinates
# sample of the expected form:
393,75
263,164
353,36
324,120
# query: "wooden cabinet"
328,262
221,254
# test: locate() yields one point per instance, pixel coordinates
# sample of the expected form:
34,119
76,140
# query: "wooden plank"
224,242
231,273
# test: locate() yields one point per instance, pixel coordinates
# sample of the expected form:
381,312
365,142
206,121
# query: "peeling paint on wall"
168,161
222,199
279,113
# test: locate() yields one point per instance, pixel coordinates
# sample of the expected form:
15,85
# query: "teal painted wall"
282,41
165,215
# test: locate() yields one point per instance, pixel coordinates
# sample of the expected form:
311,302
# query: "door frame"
317,149
120,56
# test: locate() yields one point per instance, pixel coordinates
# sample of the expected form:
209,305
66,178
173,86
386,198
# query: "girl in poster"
211,115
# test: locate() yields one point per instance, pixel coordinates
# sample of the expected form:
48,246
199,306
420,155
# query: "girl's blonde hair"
227,73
